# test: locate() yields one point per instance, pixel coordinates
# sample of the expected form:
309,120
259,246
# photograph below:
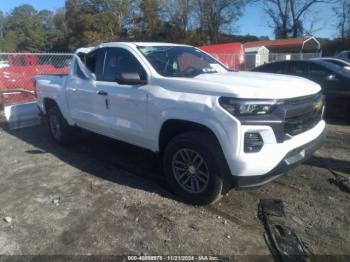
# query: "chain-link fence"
18,71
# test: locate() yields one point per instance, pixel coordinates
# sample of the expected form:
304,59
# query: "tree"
24,29
214,16
93,21
178,13
2,24
287,16
342,11
178,22
57,37
148,25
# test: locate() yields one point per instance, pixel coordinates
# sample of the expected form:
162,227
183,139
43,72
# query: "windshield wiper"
210,72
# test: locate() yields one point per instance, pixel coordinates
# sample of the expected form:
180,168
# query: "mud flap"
21,115
284,244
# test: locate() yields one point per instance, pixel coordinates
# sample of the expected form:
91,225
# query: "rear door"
87,106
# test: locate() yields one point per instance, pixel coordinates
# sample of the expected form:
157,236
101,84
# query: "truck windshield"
180,61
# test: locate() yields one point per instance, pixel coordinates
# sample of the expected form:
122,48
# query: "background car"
334,80
344,55
335,61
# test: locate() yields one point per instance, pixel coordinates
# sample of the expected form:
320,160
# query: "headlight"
247,107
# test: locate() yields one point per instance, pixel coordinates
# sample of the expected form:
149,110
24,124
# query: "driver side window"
119,61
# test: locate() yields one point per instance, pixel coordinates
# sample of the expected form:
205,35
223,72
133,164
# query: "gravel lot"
105,197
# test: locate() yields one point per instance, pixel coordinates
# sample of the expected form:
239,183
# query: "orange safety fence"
18,71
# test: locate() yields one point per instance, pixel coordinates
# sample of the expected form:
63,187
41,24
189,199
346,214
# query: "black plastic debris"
342,182
271,207
284,244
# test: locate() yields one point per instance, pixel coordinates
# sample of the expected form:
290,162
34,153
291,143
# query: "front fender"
227,135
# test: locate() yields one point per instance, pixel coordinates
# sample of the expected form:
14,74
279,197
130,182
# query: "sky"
254,21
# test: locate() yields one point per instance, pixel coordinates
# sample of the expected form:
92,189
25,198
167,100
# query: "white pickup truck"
213,129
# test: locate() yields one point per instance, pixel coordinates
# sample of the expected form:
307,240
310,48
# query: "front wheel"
192,164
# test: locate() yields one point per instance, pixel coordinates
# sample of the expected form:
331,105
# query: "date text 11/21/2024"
172,258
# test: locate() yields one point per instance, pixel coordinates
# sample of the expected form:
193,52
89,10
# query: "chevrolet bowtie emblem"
318,105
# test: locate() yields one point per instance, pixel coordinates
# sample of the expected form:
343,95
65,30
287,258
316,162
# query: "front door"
127,104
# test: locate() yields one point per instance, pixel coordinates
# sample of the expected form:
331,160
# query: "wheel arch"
173,127
48,102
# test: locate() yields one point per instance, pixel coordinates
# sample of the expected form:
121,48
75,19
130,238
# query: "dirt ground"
105,197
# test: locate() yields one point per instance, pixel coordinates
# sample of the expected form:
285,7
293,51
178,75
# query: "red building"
291,45
230,54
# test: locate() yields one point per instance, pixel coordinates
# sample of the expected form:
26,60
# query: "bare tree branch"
288,16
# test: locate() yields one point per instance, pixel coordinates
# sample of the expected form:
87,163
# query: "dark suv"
334,80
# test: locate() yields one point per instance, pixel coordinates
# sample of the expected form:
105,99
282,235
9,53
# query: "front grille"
298,124
303,100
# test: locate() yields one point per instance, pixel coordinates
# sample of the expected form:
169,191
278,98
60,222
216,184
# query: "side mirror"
130,79
332,77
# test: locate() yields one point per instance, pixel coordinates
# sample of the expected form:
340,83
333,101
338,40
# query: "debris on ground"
341,181
8,219
270,207
297,220
56,202
280,238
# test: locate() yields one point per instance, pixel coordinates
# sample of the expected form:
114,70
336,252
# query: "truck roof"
129,44
135,44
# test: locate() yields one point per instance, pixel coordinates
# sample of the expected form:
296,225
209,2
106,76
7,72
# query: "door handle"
102,93
72,89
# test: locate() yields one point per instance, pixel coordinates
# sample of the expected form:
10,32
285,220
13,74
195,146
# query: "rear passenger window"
82,57
79,72
94,62
91,61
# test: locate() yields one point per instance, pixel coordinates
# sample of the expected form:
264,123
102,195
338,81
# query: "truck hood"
256,85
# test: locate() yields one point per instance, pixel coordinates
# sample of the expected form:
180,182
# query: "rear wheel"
192,165
59,129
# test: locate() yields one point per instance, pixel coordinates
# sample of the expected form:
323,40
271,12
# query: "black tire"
196,191
61,132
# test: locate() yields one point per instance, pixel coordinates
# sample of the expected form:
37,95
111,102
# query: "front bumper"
291,159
